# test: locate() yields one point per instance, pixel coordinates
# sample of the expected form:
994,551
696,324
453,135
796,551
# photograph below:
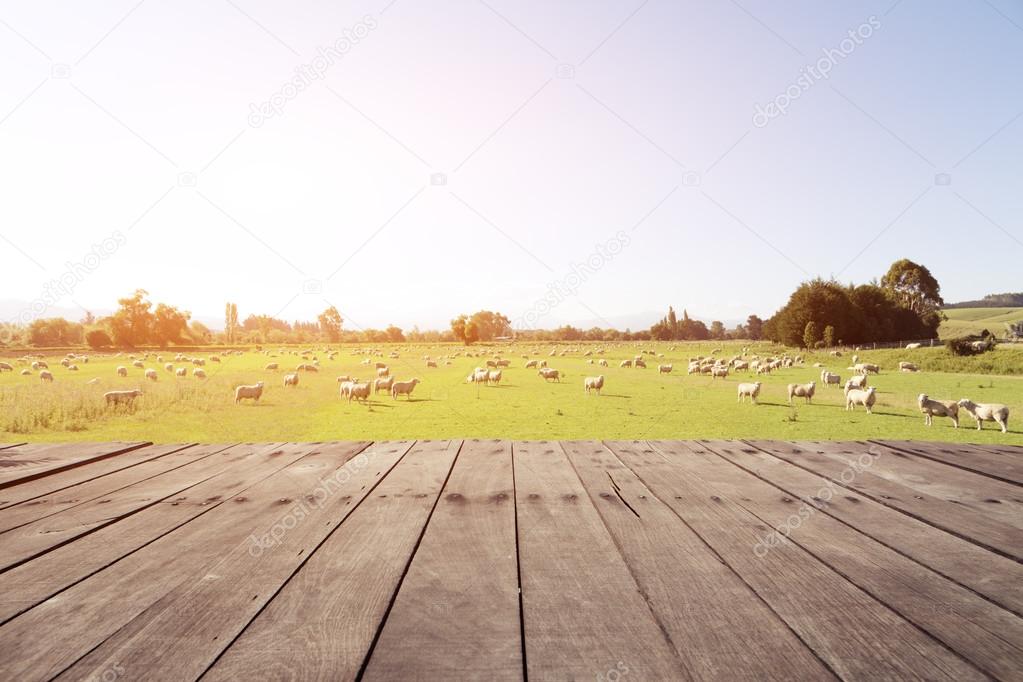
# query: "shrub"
98,338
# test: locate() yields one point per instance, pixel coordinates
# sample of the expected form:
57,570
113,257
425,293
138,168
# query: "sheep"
802,391
307,368
431,363
72,368
942,408
990,412
752,390
740,365
6,367
118,397
383,372
480,376
169,367
151,374
543,363
45,375
138,364
345,389
913,346
858,381
856,396
214,358
532,364
602,362
358,391
625,363
271,367
122,371
638,363
291,379
908,367
198,362
855,359
344,377
181,372
39,364
405,387
494,377
718,371
504,363
383,385
243,391
664,369
866,368
828,378
26,372
593,384
199,373
549,374
380,365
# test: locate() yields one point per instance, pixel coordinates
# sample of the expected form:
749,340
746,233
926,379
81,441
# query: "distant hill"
966,321
991,301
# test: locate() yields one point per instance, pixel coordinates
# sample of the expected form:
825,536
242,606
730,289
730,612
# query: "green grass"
967,321
636,403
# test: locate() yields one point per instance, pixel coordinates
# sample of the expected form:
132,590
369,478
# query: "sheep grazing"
494,377
431,363
859,381
532,364
271,367
913,346
718,371
639,364
6,367
122,397
45,375
752,390
291,379
625,363
169,367
138,364
593,384
122,371
802,391
866,368
856,396
355,391
908,367
987,412
39,364
383,372
214,358
504,363
151,374
828,378
664,369
406,387
181,372
307,368
72,368
602,362
740,365
254,391
550,374
942,408
199,373
383,385
26,372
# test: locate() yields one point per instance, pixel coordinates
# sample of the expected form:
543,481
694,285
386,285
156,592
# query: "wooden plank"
719,627
48,485
583,613
961,519
987,635
864,639
995,464
29,462
467,567
25,586
205,614
996,577
21,513
188,468
323,622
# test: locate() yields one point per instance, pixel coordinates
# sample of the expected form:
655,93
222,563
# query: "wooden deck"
485,559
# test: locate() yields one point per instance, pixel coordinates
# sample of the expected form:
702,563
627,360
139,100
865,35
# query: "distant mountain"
992,301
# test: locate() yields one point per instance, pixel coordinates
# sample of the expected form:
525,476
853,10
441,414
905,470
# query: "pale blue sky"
558,127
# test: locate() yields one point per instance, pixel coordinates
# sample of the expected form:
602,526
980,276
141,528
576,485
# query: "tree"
330,324
810,337
199,332
485,326
230,322
913,286
755,327
829,336
97,338
717,329
394,334
131,324
54,331
88,319
169,325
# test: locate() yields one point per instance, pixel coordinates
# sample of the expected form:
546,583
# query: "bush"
97,339
963,345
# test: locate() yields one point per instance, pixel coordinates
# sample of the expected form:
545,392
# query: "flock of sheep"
491,373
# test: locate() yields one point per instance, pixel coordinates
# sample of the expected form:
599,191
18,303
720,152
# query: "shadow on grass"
614,395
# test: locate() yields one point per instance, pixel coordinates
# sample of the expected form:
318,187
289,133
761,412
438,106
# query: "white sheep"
26,372
151,374
908,367
602,362
942,408
45,375
406,387
383,372
200,373
664,369
856,396
494,377
990,412
550,374
254,391
752,390
169,367
6,367
383,385
625,363
271,367
532,364
913,346
357,391
638,363
122,371
138,364
118,397
181,372
828,378
431,363
593,384
291,379
802,391
718,371
858,381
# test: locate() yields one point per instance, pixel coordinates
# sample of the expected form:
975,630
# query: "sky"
575,162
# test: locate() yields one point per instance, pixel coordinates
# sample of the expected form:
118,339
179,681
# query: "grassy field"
967,321
635,404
